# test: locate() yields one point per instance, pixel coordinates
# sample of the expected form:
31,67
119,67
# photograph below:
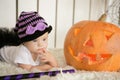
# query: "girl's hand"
47,57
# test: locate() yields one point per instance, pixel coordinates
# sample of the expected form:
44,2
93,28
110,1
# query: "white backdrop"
61,14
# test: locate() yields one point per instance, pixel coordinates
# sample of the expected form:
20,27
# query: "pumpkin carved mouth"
93,58
90,59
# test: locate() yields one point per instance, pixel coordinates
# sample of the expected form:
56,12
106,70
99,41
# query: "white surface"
7,69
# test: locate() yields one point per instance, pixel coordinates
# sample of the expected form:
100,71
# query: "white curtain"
113,12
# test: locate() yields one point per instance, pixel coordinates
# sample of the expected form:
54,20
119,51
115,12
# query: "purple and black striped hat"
31,25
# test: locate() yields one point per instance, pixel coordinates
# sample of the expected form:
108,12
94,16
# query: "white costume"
17,54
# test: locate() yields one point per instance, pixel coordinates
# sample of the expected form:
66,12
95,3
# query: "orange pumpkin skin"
93,45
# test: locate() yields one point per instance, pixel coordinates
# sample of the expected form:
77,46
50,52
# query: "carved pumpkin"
93,45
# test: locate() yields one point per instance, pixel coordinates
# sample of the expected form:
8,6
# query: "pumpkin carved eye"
76,31
108,34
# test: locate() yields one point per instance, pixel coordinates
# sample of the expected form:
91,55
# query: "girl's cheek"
45,45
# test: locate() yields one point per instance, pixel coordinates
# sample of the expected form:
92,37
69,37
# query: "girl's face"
38,44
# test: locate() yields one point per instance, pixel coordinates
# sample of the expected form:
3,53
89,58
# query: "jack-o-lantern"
93,45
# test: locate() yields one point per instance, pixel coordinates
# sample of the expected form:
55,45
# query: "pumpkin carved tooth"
93,45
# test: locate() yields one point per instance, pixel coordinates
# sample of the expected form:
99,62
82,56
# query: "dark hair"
8,37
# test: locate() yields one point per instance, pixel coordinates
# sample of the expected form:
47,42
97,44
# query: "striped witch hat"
30,25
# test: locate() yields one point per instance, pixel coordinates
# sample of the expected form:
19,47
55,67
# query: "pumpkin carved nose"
88,43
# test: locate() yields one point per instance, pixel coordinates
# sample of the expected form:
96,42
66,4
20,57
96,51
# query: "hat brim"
36,35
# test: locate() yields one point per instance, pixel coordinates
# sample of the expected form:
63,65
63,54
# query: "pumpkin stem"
102,17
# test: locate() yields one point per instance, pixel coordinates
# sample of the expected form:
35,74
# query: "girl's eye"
34,40
44,39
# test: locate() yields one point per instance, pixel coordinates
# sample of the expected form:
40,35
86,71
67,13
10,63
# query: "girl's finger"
44,50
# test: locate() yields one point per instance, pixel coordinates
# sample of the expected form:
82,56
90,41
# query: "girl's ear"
23,43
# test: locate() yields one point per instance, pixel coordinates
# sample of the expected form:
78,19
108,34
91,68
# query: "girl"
26,45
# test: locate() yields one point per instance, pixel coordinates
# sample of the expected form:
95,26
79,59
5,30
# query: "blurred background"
61,14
